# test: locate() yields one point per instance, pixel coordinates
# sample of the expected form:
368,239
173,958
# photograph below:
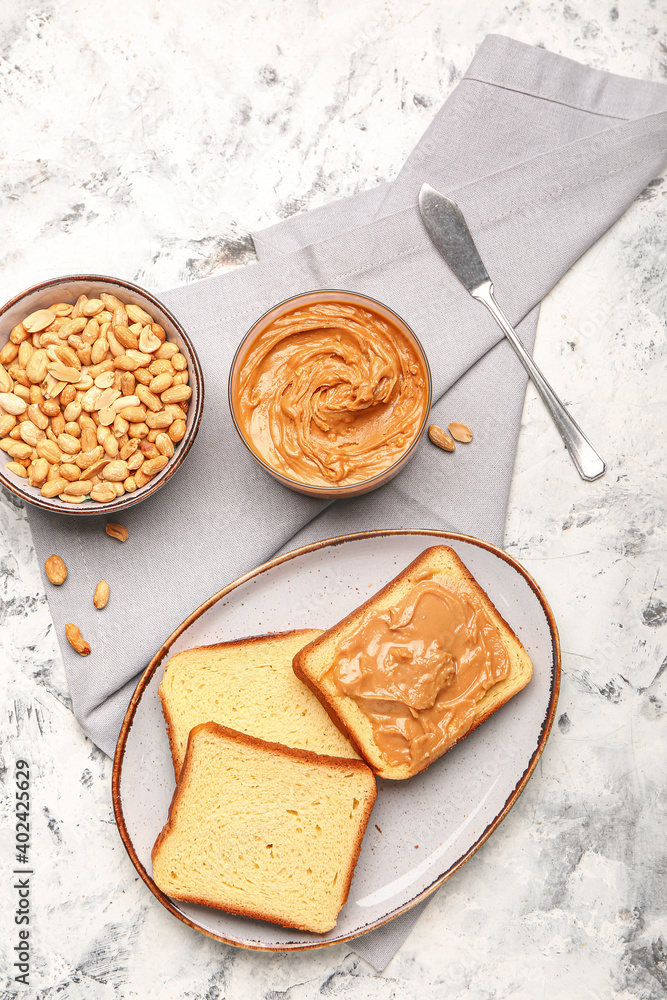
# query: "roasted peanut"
80,488
76,640
56,570
177,431
39,320
37,472
102,492
117,531
441,438
53,487
17,469
460,432
116,471
101,595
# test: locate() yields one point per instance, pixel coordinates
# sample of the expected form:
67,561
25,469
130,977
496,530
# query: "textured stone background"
146,140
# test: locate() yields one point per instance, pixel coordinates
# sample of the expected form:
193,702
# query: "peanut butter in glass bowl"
330,391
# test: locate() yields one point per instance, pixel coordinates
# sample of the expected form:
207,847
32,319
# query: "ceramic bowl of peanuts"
101,395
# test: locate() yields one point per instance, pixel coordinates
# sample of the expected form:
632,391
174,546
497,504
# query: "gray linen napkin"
543,155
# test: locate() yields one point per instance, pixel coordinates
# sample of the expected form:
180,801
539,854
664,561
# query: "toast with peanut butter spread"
417,667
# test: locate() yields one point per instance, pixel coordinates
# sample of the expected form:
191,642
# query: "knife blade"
449,231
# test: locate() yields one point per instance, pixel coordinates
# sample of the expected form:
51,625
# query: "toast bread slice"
264,830
313,664
248,685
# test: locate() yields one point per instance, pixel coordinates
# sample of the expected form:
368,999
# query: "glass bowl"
332,491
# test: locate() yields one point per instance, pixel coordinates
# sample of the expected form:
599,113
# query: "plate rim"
146,676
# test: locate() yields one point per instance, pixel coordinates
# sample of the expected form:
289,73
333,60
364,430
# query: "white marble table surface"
146,140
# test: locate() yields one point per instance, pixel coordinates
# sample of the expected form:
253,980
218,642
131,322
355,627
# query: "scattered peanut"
56,570
460,432
117,531
82,386
441,438
76,640
101,595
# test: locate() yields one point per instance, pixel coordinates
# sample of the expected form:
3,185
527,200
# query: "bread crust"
247,641
300,660
338,763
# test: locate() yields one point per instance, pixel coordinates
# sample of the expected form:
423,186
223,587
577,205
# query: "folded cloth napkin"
543,155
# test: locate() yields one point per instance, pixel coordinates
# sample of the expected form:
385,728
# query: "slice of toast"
316,665
264,830
248,685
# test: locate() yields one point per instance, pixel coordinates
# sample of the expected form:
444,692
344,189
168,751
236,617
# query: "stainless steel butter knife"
447,228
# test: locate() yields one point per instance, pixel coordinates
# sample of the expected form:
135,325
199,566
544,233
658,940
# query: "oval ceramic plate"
421,830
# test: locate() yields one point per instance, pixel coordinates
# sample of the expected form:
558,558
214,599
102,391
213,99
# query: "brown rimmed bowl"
68,289
332,492
422,830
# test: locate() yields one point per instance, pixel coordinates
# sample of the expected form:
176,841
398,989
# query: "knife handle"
589,464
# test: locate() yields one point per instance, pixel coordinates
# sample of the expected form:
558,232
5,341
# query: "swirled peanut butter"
331,394
418,670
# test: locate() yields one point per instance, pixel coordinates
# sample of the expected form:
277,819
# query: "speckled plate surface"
421,830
